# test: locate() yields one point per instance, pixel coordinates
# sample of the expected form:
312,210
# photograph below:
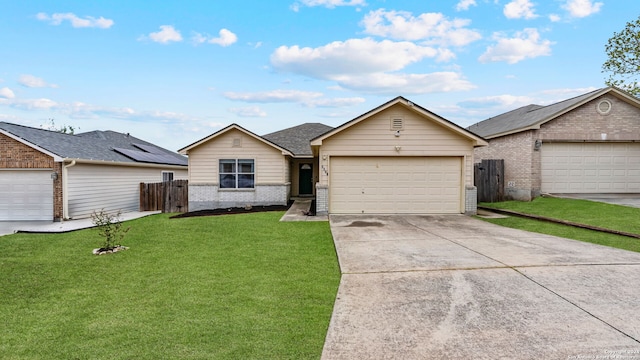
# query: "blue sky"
172,72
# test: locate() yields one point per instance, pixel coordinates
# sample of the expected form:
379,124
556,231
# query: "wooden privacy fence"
489,179
168,196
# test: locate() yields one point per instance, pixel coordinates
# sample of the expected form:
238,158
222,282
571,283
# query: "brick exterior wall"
517,152
16,155
204,197
622,123
322,199
471,200
585,123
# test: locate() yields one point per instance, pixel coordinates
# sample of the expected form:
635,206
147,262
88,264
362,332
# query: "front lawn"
227,287
609,216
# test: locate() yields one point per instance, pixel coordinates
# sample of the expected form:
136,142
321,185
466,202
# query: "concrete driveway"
453,287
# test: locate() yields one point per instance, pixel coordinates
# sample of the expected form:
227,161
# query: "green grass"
227,287
569,232
609,216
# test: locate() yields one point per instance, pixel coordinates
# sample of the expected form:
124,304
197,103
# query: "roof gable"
94,145
531,117
424,113
185,150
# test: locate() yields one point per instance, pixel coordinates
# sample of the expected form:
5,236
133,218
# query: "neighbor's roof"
297,139
532,116
95,145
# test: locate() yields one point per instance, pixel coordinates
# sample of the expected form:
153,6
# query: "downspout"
65,196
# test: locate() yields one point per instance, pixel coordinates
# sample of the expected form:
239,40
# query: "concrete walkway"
299,211
454,287
11,227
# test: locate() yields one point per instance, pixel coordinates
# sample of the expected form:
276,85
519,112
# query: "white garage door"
395,185
26,195
591,168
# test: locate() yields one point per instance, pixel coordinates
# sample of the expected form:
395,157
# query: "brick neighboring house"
47,175
586,144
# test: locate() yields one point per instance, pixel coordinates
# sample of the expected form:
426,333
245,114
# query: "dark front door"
306,179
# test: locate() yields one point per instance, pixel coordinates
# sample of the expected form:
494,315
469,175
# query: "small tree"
64,129
623,58
110,228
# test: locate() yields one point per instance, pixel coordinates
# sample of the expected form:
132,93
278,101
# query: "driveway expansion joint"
515,268
578,306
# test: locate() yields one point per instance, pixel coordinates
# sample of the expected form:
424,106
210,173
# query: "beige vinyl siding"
420,136
271,167
108,187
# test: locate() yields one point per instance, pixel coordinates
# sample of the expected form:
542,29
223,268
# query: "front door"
306,179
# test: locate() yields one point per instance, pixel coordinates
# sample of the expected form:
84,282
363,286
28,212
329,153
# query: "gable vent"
236,142
396,124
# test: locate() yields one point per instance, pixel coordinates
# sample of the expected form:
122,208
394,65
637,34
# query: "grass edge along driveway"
610,216
230,287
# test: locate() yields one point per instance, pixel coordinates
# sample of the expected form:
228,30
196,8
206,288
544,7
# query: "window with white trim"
167,176
237,173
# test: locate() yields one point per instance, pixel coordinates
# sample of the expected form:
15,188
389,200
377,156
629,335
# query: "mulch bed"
234,210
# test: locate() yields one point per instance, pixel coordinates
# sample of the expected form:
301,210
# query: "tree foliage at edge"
623,58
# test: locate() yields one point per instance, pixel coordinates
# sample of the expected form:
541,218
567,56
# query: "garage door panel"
395,185
26,195
590,167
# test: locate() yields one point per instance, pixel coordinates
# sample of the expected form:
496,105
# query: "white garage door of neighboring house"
591,168
26,195
395,185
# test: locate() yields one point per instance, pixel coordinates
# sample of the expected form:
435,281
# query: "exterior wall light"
537,145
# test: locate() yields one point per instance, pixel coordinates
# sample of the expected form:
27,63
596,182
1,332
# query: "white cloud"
330,4
497,101
334,102
392,84
554,95
433,28
6,93
368,65
582,8
251,111
34,104
273,96
76,22
525,44
554,17
34,82
226,38
166,35
354,56
465,5
10,118
306,98
518,9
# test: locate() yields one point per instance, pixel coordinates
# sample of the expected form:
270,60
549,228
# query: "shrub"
110,228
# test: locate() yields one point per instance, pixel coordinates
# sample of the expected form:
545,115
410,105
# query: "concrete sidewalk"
11,227
454,287
299,211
